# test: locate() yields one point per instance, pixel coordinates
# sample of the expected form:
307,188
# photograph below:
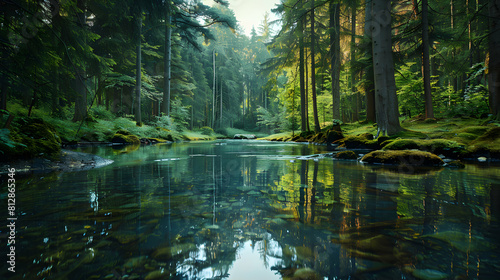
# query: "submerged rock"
300,274
455,164
136,262
157,274
429,274
462,241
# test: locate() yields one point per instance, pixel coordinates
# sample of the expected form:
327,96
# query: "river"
238,209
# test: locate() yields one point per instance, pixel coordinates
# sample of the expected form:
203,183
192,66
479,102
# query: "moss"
125,137
401,144
487,144
466,136
346,155
437,146
405,157
34,137
361,141
407,133
446,147
298,138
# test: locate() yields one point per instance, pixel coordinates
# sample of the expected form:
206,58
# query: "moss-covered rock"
403,157
436,146
298,138
307,134
487,144
402,144
125,137
33,137
333,135
455,164
346,155
361,141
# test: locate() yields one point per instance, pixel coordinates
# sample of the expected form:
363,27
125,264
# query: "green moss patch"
487,144
33,137
346,155
125,137
361,141
406,158
437,146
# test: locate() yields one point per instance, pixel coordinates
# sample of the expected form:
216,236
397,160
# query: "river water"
237,209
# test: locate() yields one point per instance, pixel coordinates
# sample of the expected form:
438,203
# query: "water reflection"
246,209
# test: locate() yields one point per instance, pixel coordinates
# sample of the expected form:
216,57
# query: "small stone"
429,274
482,159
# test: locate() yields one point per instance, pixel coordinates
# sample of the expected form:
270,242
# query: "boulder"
244,136
125,137
405,157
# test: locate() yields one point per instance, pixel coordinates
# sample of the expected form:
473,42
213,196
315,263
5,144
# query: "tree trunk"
79,82
429,113
383,67
369,85
335,56
317,127
303,96
138,82
355,116
167,60
3,89
494,61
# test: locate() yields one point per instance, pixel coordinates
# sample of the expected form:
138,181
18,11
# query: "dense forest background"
183,64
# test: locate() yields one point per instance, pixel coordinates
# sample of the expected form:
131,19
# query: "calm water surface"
254,210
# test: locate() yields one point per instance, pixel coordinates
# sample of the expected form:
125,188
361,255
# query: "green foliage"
207,130
274,121
179,113
165,122
474,100
5,139
100,112
29,138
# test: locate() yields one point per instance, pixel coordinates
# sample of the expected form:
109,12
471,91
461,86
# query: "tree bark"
167,60
383,68
138,62
355,116
79,82
426,72
369,85
317,127
335,56
494,60
303,96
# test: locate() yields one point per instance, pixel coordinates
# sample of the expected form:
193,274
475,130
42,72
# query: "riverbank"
476,140
37,144
66,161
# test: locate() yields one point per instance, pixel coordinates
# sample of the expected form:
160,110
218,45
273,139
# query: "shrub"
206,130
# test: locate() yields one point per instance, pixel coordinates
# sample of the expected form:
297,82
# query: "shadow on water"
254,210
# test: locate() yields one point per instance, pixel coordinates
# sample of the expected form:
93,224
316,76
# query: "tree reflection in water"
249,209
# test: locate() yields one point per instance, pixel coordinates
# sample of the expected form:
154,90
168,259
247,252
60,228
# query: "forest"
184,69
134,140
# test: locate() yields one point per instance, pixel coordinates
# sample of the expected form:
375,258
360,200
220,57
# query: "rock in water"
429,274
